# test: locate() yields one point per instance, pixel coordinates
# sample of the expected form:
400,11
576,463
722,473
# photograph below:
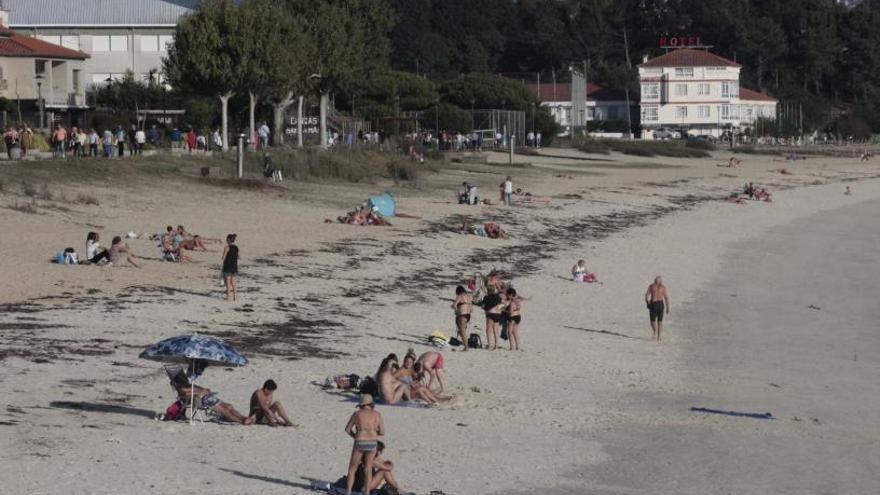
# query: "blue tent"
384,203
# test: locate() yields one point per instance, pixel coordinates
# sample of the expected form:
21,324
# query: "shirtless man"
657,299
265,410
390,388
431,363
406,374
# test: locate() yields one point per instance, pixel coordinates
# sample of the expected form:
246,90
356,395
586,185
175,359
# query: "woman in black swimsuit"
493,304
463,307
230,266
514,316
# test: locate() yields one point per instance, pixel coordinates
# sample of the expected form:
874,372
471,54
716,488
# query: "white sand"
526,420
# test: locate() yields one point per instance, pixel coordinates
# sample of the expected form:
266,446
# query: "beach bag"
453,341
369,386
346,382
474,341
173,412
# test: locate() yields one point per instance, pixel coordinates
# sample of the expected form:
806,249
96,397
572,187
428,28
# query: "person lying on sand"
763,195
365,426
463,307
848,192
189,241
391,390
209,399
120,250
734,198
784,171
266,411
431,363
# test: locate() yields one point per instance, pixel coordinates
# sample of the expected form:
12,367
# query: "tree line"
821,54
382,58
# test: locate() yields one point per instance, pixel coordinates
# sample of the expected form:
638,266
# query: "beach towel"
330,487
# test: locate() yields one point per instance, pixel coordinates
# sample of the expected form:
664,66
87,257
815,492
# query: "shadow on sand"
103,408
603,332
268,479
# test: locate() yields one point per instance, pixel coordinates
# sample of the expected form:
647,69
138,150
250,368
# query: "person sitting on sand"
407,375
186,390
265,410
513,310
579,271
431,363
749,190
171,247
391,390
734,198
848,192
733,162
94,252
383,472
763,195
463,307
118,250
365,426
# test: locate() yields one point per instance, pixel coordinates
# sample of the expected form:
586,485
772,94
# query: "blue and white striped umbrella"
189,348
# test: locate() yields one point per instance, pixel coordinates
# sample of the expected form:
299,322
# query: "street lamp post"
473,122
39,79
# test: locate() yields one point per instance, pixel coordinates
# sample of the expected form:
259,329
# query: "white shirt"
508,187
91,249
264,131
140,137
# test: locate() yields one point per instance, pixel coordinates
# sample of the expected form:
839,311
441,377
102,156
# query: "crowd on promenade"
21,141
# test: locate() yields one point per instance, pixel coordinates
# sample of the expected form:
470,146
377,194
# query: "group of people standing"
502,306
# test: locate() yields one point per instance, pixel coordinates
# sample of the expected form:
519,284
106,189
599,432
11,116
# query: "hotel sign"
680,41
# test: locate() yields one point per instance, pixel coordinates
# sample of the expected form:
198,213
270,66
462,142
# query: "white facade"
699,99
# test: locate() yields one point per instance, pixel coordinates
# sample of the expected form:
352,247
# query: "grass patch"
342,164
674,149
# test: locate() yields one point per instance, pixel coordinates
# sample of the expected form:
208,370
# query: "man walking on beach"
657,300
508,190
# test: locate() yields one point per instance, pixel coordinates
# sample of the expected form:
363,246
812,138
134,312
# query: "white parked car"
666,133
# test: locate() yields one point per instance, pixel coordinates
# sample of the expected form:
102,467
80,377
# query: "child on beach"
230,266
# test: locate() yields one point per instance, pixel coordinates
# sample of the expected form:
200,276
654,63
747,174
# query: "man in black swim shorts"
657,300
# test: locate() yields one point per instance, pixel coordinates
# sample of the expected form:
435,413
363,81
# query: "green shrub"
593,146
699,145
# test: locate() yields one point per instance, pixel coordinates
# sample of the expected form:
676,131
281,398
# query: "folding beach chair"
194,410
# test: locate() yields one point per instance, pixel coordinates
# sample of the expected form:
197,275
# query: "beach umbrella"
197,351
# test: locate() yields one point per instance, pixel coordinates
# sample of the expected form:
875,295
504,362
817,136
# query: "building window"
704,111
650,91
681,112
39,66
67,41
650,114
684,72
149,43
76,73
703,89
681,90
729,90
156,43
725,112
110,43
750,112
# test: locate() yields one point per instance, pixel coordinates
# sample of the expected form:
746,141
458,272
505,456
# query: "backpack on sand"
475,342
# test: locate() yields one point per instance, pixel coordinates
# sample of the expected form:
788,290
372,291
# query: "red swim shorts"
439,365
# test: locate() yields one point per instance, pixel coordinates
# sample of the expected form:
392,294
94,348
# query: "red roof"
562,92
13,44
752,95
688,57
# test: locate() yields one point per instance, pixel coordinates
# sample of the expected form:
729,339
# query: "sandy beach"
771,312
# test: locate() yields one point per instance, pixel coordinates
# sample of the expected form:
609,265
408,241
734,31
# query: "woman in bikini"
514,316
407,375
463,307
365,426
493,304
